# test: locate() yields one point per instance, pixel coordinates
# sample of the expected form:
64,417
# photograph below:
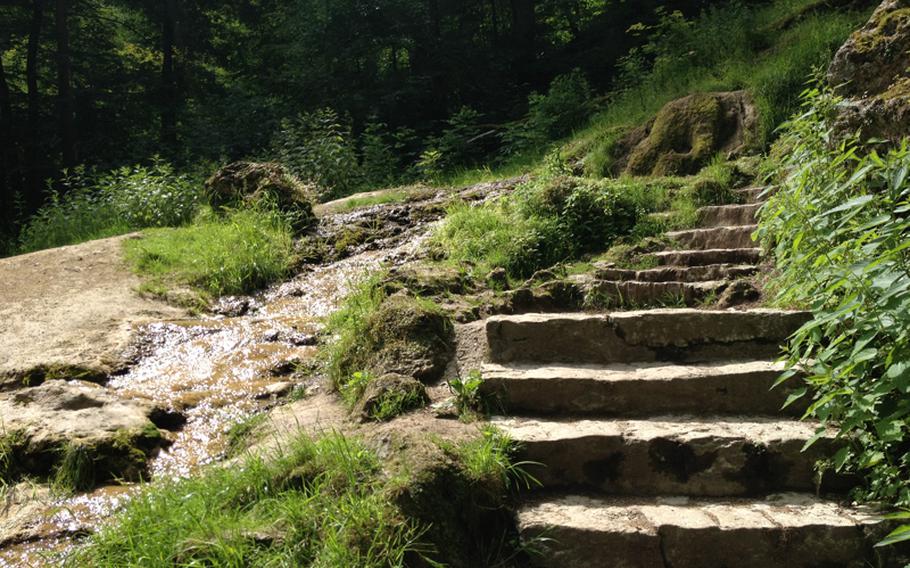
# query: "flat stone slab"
711,272
739,236
641,389
637,293
45,420
684,455
711,256
784,530
680,335
728,215
71,309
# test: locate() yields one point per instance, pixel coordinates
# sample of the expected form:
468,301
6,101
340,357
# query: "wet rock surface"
43,422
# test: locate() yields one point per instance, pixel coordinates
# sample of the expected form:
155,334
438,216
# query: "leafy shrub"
318,148
460,144
840,233
238,252
550,220
379,156
89,206
566,106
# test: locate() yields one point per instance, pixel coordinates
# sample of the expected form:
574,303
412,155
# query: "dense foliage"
88,205
840,231
417,89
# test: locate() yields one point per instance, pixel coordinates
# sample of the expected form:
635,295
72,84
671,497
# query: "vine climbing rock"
655,434
872,71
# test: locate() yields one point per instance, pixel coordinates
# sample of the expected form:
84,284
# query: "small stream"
213,371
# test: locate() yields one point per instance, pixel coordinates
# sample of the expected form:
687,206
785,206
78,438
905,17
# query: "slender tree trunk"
66,119
494,20
31,79
6,147
168,76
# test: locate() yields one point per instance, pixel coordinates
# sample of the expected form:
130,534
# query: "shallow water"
214,371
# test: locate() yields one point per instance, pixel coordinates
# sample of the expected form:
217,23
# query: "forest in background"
112,83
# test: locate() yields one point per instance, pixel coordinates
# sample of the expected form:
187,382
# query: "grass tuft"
232,254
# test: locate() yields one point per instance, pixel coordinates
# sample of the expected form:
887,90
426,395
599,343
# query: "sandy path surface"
74,305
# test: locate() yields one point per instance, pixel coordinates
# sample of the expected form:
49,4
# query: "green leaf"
900,534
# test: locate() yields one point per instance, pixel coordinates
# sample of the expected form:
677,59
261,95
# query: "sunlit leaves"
839,232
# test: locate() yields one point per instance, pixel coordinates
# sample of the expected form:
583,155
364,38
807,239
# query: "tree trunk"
168,76
6,148
67,124
494,21
31,79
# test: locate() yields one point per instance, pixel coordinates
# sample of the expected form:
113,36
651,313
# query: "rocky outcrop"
688,132
872,72
45,425
254,182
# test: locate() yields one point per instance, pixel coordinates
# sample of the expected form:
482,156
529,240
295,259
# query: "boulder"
872,71
390,395
688,132
252,182
45,423
405,336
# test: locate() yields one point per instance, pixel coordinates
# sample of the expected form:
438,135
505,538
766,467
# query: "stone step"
642,389
714,237
634,293
671,455
706,257
679,273
751,194
680,335
728,215
788,530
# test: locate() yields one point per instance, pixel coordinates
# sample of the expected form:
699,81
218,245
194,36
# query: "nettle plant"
840,230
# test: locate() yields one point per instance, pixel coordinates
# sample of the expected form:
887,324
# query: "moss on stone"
687,133
41,373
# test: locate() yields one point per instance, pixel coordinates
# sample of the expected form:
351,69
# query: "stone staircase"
658,438
699,264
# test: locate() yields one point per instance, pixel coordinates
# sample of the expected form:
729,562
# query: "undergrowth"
88,205
321,502
767,49
839,231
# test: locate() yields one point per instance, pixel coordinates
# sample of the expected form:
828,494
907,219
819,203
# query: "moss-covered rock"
75,432
391,395
687,133
872,70
253,182
403,335
427,279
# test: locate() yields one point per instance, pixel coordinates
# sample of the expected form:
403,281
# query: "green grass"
232,254
727,48
241,434
319,503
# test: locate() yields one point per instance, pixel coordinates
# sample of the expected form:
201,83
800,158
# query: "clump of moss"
389,334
